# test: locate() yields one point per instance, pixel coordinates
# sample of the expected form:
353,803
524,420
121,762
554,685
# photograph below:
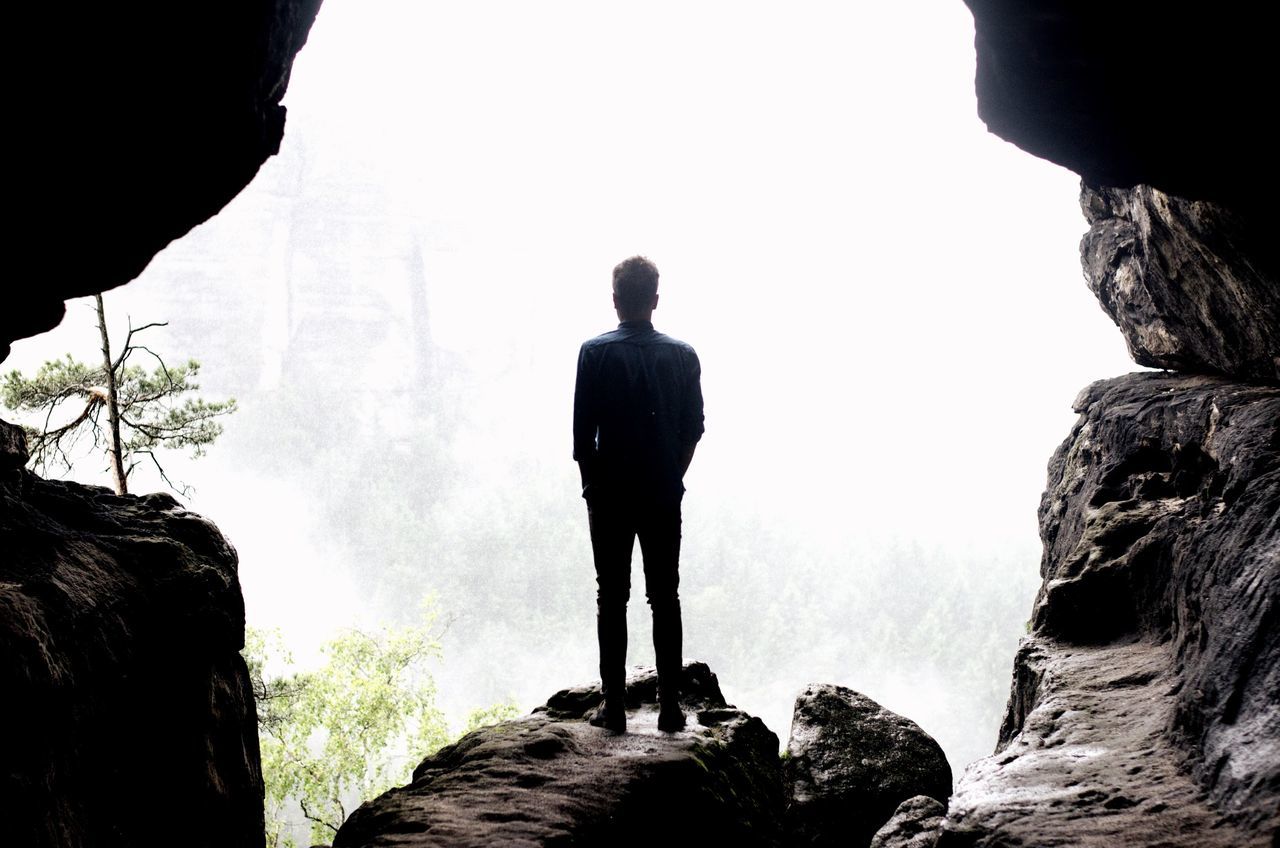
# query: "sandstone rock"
850,763
13,447
1143,709
550,778
128,716
1141,92
915,824
139,121
1192,285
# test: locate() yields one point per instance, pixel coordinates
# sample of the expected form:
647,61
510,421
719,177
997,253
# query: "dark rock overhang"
134,122
1176,96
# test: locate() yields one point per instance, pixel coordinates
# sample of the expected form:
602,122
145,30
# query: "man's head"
635,289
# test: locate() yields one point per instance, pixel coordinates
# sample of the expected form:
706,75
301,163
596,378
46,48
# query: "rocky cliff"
551,778
1143,707
135,122
1192,284
128,716
1173,95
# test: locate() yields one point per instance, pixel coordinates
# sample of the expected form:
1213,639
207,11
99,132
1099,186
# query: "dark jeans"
615,524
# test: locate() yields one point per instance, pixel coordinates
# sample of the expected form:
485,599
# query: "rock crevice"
1143,704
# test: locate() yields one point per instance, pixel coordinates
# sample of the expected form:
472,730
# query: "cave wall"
1143,702
1154,629
1143,708
1176,96
128,715
1192,284
134,122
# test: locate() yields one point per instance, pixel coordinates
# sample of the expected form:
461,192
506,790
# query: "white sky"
874,283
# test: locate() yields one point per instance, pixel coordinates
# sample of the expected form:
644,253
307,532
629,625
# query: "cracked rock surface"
1192,285
551,778
1143,708
128,714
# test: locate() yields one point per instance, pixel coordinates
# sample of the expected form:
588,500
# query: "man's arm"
584,420
692,420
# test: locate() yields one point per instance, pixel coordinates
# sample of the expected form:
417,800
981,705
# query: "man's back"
637,409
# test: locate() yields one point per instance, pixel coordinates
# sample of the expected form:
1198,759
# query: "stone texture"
128,716
915,824
1194,286
13,447
849,764
133,122
551,778
1143,92
1143,709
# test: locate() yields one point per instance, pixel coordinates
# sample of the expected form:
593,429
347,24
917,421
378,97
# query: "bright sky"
876,285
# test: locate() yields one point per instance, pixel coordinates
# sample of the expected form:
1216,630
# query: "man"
637,416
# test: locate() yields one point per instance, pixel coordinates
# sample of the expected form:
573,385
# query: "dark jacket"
637,407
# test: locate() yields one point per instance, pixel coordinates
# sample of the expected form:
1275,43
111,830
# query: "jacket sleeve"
691,418
584,417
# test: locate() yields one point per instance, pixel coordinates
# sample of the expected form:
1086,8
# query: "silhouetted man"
637,416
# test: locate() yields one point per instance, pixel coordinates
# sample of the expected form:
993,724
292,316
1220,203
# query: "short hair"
635,282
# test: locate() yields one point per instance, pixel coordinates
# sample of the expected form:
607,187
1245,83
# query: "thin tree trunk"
113,408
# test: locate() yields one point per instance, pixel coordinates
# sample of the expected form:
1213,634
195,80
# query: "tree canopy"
144,410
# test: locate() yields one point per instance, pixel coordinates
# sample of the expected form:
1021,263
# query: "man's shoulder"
603,339
663,338
639,336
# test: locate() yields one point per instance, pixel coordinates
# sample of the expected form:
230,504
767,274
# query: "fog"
886,300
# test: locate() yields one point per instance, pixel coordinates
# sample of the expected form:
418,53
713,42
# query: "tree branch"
183,490
124,353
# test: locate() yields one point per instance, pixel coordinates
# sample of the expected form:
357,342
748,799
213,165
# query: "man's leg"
659,532
612,538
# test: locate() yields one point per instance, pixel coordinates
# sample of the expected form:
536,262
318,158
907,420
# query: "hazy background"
886,300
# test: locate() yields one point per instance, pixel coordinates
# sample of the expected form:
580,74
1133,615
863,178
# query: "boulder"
550,778
848,765
1193,285
1143,708
128,712
915,824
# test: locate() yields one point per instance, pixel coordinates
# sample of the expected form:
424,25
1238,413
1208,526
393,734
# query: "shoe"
670,718
610,717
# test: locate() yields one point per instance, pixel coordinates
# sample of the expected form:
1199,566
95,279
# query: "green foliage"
486,716
68,399
346,732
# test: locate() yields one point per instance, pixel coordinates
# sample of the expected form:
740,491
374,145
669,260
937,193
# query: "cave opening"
887,300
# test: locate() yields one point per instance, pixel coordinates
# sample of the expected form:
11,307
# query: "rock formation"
128,716
1191,284
1143,708
550,778
135,122
1144,703
1175,96
914,824
850,763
